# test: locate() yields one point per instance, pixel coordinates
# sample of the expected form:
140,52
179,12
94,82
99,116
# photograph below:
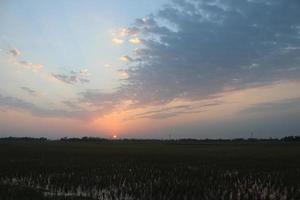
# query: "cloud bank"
196,49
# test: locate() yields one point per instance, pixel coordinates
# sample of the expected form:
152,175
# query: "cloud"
197,50
71,104
30,65
29,91
126,58
100,98
135,40
117,41
73,77
122,74
274,107
129,34
16,103
193,50
75,110
84,71
172,111
125,32
14,52
26,64
164,113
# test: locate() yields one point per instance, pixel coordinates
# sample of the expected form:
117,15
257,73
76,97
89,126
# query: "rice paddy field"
123,170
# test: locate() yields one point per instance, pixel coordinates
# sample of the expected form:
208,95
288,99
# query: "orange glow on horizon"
126,121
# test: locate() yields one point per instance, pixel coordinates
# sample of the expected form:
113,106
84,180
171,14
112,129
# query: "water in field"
134,174
178,183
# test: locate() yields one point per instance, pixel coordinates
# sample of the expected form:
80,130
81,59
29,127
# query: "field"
149,170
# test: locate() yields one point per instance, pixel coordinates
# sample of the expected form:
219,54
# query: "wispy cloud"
125,32
14,52
74,110
100,98
135,40
168,112
126,58
274,107
71,104
29,91
16,103
73,77
30,65
117,41
122,74
129,34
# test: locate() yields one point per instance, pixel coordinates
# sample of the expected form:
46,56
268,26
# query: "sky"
150,69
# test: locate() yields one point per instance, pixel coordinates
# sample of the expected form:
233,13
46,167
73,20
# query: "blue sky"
142,68
68,35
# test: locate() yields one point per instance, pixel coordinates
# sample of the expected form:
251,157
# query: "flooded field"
129,171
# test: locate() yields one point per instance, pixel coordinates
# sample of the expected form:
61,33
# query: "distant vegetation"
129,169
182,140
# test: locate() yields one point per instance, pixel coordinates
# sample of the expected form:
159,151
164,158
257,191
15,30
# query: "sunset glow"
164,67
149,99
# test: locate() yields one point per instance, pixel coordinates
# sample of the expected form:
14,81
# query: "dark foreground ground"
120,170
